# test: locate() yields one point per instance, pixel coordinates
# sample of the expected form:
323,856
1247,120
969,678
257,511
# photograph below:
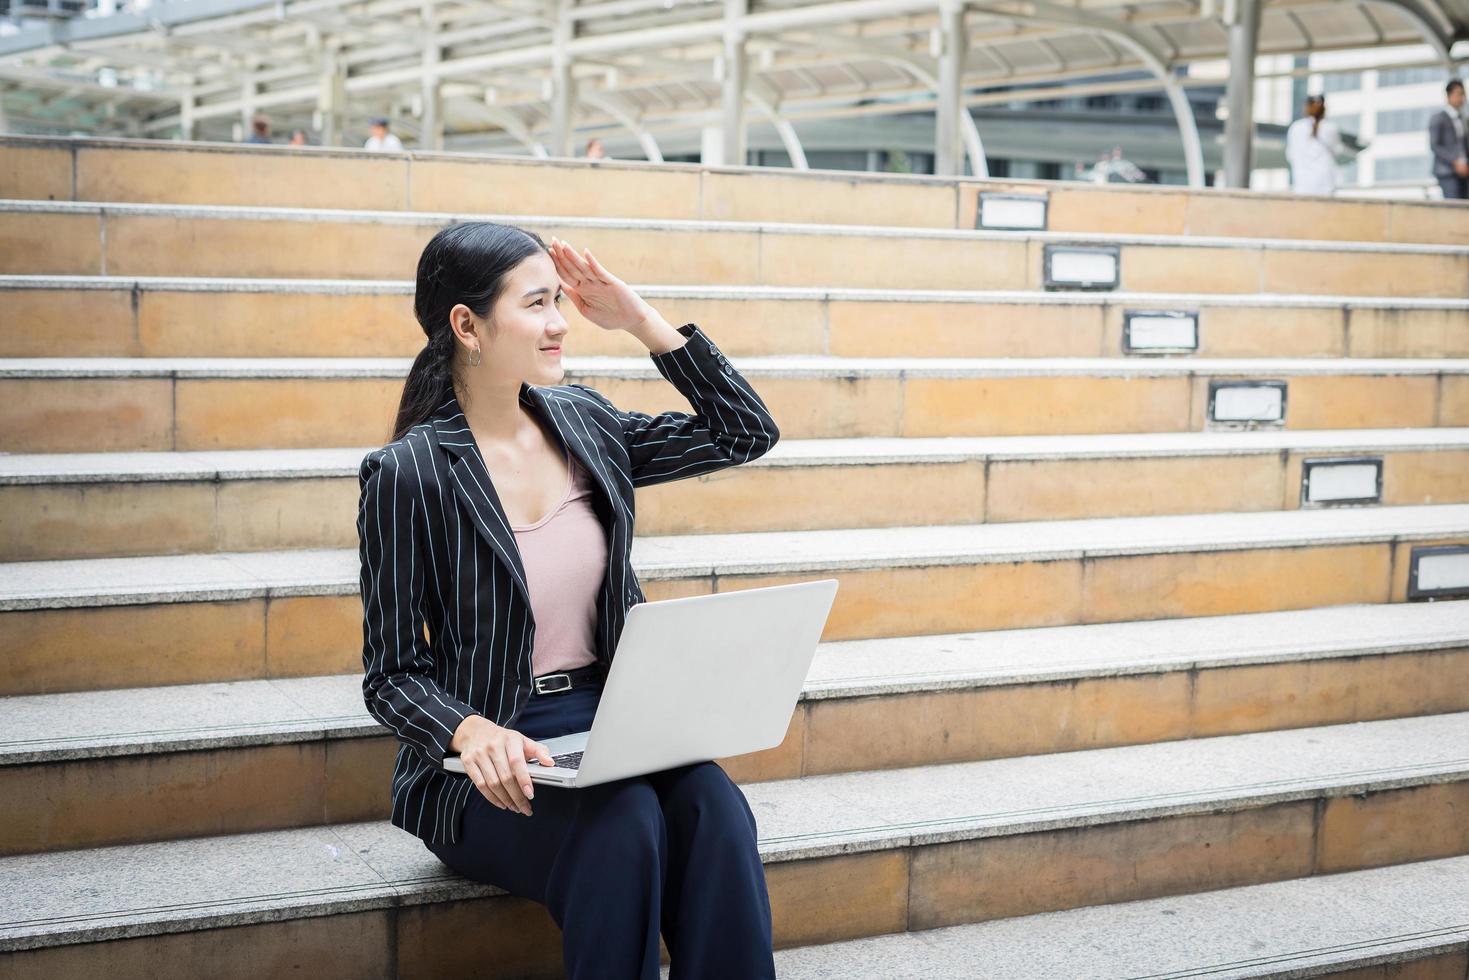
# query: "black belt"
565,680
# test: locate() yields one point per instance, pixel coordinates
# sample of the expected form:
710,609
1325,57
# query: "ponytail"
466,264
430,383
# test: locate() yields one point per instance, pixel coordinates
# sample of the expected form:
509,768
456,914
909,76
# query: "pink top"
565,560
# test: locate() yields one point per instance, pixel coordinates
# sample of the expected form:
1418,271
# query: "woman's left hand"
599,296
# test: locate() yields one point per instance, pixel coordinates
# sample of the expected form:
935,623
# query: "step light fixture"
1439,571
1082,266
1333,481
1247,404
1011,212
1160,331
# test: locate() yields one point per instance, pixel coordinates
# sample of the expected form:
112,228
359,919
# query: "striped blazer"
437,552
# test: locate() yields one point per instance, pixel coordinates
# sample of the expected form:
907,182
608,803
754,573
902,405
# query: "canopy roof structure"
537,70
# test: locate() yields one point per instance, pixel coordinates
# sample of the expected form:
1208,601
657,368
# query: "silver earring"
474,357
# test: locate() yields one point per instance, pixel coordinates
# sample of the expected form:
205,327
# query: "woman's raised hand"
599,296
494,759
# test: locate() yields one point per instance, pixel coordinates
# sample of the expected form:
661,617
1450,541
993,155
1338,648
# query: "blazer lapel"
577,440
475,490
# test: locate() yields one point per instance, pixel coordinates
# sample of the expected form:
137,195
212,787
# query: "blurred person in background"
1111,165
298,138
259,130
381,139
1312,144
1450,145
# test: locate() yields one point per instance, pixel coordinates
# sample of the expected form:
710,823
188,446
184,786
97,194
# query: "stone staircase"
1131,672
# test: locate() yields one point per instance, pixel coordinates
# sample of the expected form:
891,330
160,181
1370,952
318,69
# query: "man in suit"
1450,146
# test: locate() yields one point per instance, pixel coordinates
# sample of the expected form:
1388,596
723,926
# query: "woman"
1312,144
500,518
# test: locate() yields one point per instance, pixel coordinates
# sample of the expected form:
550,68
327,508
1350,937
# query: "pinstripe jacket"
437,551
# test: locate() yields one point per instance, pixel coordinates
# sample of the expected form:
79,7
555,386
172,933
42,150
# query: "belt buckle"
542,687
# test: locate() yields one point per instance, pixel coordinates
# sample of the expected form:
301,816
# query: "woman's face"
525,344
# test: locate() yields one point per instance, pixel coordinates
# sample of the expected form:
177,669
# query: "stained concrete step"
160,316
1409,922
102,623
106,404
95,505
92,169
172,240
142,764
846,856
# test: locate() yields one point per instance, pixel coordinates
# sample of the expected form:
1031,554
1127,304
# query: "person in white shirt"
381,139
1312,145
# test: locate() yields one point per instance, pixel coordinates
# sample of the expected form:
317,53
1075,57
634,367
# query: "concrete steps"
157,763
171,316
1409,922
1093,643
148,171
847,855
97,505
110,622
109,404
173,240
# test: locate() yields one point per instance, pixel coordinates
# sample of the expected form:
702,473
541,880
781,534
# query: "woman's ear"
466,331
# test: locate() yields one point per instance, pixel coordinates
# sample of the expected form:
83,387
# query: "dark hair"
464,263
1454,83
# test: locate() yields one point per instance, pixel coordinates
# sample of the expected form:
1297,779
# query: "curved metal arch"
1188,130
1422,13
925,71
513,125
617,109
969,132
763,95
757,91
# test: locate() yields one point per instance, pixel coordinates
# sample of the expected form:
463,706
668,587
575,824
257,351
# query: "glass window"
1403,168
1341,81
1390,77
834,159
1348,124
1405,120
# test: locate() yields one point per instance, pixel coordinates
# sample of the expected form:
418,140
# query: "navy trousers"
673,851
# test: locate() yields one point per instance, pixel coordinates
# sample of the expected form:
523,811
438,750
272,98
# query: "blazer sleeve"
729,425
398,684
1441,139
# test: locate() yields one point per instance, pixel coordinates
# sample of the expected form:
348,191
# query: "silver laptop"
694,679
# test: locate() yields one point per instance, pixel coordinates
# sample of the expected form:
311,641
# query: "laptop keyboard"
571,760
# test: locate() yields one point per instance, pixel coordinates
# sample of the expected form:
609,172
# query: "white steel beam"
1130,38
734,71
